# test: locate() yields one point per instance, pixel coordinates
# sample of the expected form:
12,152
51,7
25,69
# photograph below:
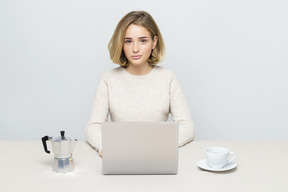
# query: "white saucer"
203,165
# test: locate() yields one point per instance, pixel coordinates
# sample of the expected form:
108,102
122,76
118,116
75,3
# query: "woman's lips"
136,57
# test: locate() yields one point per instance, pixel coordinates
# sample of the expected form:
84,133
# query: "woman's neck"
139,69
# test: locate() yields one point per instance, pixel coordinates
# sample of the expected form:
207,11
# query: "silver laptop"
140,148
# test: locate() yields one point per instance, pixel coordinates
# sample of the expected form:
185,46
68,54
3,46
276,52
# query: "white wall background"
230,57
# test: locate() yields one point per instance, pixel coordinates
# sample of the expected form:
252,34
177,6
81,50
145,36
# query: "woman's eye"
128,41
143,41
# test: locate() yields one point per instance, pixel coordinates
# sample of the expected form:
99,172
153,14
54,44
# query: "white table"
262,166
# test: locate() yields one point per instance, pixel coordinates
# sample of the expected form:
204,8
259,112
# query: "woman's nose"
135,48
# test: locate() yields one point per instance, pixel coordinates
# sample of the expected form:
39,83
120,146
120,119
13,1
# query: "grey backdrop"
230,57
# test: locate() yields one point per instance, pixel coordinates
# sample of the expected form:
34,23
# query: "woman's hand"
100,154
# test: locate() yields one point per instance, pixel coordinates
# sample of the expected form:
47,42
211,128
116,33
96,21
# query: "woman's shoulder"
165,72
112,73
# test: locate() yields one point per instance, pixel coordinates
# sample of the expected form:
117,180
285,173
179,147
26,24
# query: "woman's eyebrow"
143,37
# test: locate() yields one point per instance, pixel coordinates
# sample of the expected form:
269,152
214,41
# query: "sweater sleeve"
98,115
180,112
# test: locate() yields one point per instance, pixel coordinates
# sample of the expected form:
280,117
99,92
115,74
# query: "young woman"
138,90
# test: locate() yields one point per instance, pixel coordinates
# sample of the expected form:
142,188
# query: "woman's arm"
180,113
99,114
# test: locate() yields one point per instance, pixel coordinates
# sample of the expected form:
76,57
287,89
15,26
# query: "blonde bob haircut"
116,43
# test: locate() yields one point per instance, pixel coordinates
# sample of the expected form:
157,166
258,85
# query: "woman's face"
138,45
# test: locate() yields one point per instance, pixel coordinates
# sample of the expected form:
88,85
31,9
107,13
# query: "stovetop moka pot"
62,148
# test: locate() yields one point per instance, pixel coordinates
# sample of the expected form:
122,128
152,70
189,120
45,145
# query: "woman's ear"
155,40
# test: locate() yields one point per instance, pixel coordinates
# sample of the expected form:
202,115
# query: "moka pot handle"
44,139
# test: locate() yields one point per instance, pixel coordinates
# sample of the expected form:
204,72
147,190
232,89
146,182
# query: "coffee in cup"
217,157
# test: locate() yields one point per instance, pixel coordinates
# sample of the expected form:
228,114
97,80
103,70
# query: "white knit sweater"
141,98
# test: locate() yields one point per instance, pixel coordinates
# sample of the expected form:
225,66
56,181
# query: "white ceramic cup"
217,157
